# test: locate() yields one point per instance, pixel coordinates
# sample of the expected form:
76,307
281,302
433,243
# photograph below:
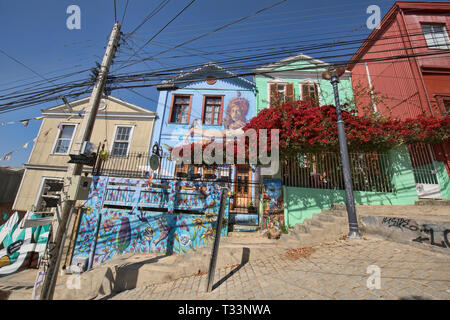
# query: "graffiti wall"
154,217
21,248
273,207
426,232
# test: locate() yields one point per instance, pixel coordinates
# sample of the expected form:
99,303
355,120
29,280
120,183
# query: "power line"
124,12
148,17
215,30
162,29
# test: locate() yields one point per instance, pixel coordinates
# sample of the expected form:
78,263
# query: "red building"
405,64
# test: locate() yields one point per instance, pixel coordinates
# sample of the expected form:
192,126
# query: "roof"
205,69
62,108
286,61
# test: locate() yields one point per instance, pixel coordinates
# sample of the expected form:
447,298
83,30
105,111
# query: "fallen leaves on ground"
302,252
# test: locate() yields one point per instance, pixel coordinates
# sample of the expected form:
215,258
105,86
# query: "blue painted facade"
194,85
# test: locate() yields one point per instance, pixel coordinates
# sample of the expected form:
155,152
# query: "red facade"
407,75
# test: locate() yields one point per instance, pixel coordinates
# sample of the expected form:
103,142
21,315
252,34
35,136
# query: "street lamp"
333,74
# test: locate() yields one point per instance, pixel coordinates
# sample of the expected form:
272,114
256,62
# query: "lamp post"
333,75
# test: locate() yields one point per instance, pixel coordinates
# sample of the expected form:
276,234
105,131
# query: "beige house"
122,126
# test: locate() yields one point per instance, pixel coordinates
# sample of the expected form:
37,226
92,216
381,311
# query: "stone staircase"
328,225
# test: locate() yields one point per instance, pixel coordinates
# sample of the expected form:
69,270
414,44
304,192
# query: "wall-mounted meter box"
79,188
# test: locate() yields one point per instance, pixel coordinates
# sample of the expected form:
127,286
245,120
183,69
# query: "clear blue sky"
35,33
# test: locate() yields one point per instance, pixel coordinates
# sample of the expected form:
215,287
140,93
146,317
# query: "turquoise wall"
443,179
302,203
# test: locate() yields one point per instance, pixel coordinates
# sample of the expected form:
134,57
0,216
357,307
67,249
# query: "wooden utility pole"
84,134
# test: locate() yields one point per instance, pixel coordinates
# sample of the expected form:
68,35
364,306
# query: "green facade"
302,203
298,72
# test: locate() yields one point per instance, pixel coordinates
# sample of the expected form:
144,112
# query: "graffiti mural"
21,248
106,231
273,207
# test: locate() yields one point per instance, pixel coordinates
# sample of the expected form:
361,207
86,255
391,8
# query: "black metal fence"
370,171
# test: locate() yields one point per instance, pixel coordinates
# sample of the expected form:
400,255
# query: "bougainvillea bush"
304,127
307,128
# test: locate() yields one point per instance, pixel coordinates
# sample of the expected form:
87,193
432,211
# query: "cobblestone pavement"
336,270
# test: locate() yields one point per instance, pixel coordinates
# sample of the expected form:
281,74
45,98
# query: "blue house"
205,103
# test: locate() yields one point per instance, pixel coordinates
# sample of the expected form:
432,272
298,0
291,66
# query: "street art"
433,234
21,248
273,207
106,231
235,118
444,243
400,223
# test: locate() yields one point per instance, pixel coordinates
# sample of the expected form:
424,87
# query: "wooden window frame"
316,90
220,118
172,105
286,96
441,99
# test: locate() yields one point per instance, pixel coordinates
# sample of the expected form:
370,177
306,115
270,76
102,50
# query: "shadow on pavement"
245,258
126,277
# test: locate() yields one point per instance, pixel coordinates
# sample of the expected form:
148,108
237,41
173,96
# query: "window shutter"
305,91
290,92
273,93
316,93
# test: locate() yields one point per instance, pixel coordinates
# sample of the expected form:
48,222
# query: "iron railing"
369,171
422,157
137,165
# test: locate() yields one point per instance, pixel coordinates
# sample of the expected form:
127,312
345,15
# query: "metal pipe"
215,248
351,210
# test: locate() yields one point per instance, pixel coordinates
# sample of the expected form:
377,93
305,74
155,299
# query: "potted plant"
251,208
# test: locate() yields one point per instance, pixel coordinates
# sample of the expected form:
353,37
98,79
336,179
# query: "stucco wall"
302,203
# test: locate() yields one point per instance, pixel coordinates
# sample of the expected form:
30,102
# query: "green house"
298,78
312,182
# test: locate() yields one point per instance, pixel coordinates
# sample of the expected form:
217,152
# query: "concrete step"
432,202
313,222
301,228
335,212
402,210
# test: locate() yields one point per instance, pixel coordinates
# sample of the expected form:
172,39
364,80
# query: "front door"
242,193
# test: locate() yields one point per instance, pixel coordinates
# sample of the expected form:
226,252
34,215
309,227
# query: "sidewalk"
333,271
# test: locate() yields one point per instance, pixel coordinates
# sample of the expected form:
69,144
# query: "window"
447,106
436,36
180,109
310,91
281,92
121,141
212,110
64,139
49,195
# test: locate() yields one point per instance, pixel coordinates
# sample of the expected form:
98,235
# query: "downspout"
371,88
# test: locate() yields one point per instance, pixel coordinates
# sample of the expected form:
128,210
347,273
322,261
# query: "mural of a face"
236,113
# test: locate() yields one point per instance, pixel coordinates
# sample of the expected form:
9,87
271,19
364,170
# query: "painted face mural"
236,113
